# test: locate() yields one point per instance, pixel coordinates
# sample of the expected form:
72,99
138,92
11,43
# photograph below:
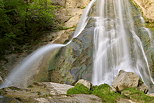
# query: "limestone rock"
125,80
85,83
77,98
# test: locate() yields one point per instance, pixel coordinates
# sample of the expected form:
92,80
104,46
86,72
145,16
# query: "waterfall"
116,43
116,46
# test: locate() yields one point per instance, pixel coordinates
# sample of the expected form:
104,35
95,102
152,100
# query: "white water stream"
116,46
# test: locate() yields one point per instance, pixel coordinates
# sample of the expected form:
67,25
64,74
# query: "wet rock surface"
142,33
74,61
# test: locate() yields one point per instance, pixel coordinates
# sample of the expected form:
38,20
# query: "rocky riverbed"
127,88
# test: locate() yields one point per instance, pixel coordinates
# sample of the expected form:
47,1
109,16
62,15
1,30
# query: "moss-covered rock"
78,89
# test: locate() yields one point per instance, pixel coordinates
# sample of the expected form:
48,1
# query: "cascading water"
116,44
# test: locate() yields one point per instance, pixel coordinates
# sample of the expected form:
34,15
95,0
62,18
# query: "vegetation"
23,21
105,92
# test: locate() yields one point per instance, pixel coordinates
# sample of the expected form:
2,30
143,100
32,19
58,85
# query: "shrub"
22,22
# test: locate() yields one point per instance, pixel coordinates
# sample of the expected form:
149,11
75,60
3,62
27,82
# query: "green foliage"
78,89
137,95
22,22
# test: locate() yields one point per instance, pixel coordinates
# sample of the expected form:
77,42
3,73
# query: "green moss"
105,93
78,89
137,95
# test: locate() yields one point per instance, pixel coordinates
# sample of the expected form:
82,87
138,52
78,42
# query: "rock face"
74,61
147,7
85,83
128,80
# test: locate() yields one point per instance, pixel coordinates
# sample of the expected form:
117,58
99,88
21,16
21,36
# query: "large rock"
56,88
126,80
85,83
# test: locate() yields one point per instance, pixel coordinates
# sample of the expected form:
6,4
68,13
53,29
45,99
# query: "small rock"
125,80
143,88
85,83
125,101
